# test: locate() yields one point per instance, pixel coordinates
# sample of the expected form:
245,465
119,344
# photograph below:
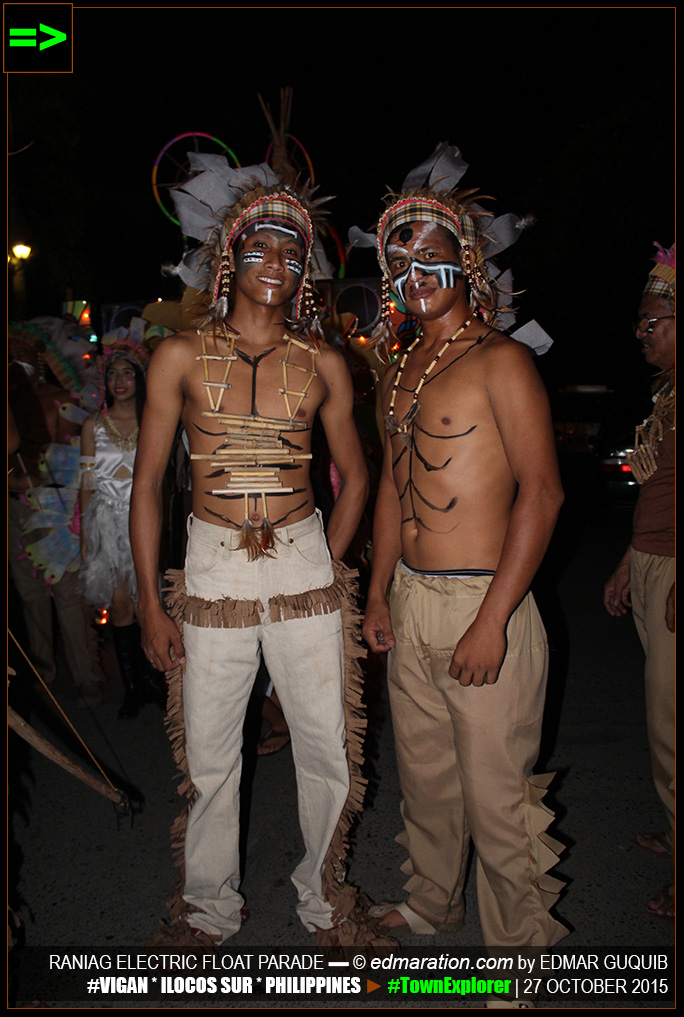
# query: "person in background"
645,576
43,508
109,441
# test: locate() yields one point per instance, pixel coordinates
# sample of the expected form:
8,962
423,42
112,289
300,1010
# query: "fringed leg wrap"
545,852
226,613
353,927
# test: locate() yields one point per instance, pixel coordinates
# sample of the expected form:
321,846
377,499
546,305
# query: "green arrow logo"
27,36
57,36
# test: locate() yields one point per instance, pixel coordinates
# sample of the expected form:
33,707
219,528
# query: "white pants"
305,659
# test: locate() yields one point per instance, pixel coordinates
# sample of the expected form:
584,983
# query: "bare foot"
393,920
273,741
656,843
663,906
400,916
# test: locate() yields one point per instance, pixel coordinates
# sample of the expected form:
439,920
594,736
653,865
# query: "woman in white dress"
108,445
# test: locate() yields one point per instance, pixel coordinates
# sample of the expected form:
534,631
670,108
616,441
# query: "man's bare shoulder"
179,346
331,366
513,384
503,356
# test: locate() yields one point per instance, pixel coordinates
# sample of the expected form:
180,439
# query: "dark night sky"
567,113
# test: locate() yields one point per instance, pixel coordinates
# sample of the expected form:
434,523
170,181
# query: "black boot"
127,647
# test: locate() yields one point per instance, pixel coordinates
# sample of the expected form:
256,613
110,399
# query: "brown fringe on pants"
352,926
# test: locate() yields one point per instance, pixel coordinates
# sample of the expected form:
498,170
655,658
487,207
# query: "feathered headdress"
123,344
218,204
429,194
662,279
61,346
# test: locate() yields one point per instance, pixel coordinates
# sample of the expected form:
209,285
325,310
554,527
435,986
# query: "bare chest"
270,386
440,401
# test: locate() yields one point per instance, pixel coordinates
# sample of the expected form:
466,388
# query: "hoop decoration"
182,171
342,270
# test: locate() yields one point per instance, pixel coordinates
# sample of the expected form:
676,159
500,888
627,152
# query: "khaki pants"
305,660
651,579
465,757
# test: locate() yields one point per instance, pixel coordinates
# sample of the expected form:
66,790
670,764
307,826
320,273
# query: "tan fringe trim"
353,927
545,852
209,614
352,924
342,594
175,930
339,596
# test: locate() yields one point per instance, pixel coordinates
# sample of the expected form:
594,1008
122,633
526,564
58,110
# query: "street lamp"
19,256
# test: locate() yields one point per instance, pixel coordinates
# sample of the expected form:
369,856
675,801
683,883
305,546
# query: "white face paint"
275,228
419,253
273,255
294,266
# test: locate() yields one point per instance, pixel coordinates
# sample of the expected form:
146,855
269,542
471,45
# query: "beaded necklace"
395,426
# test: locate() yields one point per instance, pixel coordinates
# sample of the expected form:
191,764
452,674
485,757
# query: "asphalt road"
81,877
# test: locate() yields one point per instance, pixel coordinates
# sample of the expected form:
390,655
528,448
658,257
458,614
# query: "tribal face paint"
447,273
271,256
422,250
252,257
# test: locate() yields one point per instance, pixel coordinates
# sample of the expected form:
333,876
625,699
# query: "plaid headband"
414,210
420,209
662,279
661,283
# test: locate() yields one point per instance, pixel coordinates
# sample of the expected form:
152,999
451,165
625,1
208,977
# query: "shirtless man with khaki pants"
467,505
